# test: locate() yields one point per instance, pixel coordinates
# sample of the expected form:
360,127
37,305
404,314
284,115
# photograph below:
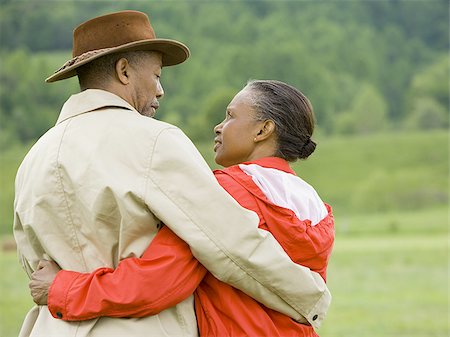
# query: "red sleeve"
166,274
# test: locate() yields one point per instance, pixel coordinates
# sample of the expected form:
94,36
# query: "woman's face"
234,142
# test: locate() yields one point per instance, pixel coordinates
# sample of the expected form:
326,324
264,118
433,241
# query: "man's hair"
97,73
292,114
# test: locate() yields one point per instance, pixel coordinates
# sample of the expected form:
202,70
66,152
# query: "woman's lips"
217,143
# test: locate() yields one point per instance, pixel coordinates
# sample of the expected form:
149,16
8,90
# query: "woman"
267,125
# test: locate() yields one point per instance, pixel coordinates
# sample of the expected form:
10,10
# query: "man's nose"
159,91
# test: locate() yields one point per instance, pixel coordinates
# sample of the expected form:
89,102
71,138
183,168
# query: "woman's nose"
218,128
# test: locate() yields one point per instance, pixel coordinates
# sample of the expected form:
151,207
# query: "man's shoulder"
137,120
147,123
126,123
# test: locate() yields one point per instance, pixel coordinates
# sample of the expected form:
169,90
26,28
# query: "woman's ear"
122,70
267,129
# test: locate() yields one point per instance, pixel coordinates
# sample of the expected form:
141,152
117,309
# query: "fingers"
41,280
43,264
39,294
33,291
39,285
47,264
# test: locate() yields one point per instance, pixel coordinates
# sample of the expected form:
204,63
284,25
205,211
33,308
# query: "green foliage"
413,19
201,127
433,82
334,52
429,97
367,113
427,114
29,107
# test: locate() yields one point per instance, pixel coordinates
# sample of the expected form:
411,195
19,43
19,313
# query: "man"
96,188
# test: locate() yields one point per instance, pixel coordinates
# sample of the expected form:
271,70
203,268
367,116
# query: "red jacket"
167,273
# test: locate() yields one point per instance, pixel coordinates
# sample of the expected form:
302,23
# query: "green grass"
389,286
15,300
421,221
384,283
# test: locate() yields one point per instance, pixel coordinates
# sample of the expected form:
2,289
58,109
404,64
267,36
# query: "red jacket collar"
272,162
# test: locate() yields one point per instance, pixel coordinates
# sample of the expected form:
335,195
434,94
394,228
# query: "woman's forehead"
243,97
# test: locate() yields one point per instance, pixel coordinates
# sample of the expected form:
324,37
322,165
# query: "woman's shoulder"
237,184
230,176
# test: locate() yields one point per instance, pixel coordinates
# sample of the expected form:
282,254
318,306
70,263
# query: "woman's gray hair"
291,112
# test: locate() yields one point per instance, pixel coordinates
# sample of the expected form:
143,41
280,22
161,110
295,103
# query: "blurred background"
377,73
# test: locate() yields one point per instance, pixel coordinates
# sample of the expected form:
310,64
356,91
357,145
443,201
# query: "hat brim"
173,52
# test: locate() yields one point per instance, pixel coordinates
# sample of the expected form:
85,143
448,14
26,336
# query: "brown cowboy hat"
117,32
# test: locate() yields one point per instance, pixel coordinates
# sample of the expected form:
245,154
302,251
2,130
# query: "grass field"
384,283
389,286
389,271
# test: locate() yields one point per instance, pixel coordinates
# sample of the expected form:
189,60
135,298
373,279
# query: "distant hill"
377,173
356,175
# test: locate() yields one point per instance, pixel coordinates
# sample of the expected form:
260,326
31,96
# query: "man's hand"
41,280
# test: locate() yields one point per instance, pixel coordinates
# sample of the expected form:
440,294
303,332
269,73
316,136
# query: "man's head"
134,76
117,33
119,52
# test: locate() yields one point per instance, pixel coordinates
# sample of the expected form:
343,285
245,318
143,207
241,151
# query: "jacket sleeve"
182,191
165,275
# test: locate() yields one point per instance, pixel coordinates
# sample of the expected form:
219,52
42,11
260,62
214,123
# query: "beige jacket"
95,188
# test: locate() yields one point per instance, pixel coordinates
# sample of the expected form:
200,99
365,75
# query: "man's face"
147,88
234,142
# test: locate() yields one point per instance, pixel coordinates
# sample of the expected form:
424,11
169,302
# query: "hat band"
82,57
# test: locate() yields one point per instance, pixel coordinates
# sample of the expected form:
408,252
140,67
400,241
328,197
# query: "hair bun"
307,149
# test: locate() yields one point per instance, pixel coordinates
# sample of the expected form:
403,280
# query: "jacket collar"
272,162
90,100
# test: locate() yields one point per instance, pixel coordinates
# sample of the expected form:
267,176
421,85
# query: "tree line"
366,66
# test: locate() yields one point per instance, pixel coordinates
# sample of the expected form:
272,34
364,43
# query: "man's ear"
267,129
123,71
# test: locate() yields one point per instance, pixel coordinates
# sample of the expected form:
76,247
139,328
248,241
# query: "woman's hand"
41,280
